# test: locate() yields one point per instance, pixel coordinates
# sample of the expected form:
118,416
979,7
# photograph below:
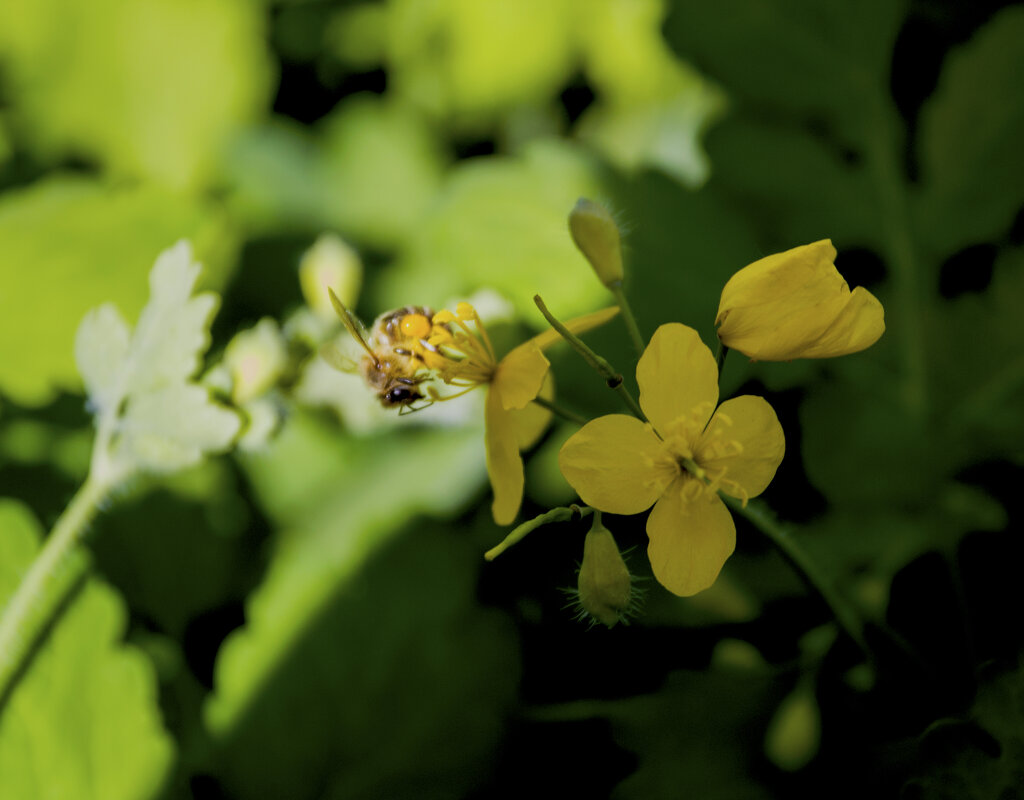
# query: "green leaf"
151,90
971,130
807,58
83,721
502,223
160,421
71,244
359,645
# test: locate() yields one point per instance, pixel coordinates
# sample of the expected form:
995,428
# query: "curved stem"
782,537
606,370
560,514
55,572
564,413
628,318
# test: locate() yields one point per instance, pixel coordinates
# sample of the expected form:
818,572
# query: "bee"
390,367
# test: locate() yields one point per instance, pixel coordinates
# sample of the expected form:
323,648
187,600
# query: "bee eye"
400,394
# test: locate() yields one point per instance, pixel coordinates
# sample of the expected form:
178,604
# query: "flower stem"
723,351
560,514
57,569
628,318
606,370
564,413
782,537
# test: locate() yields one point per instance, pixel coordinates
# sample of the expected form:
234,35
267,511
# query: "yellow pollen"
415,326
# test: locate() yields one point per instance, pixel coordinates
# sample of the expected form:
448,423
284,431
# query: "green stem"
561,514
782,537
723,351
606,370
628,318
564,413
53,575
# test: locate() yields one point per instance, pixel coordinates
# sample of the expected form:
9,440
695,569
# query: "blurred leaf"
976,368
83,721
651,108
175,556
365,657
71,244
469,61
794,187
981,756
383,165
163,422
806,58
150,89
502,223
794,734
971,129
694,737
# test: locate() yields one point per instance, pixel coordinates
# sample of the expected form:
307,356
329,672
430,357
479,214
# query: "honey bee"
390,367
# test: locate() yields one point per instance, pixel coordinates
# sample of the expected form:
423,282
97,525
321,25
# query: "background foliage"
314,620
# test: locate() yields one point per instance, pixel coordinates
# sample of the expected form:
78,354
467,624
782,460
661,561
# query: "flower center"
700,452
460,354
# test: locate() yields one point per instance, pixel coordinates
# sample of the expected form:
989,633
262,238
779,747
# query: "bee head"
400,395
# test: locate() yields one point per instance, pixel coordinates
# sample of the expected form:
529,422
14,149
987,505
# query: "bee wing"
352,325
333,356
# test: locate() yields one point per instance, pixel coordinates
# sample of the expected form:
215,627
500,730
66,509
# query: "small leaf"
173,428
83,722
101,345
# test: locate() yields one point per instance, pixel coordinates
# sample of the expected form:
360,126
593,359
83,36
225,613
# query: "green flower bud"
605,588
597,237
330,263
255,359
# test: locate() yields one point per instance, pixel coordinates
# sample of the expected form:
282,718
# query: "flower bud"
255,359
605,585
330,263
796,305
597,237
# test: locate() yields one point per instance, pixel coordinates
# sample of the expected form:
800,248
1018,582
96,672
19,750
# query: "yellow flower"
680,460
462,356
796,305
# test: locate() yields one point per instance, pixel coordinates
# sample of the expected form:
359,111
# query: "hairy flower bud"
255,359
605,585
597,237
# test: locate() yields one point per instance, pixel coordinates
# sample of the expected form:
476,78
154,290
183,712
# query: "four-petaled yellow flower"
680,460
796,305
463,357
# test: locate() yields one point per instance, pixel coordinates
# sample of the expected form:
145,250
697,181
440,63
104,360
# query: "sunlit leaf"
71,244
501,223
149,89
83,721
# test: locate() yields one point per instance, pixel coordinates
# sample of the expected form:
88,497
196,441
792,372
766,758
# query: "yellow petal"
530,422
617,464
751,422
860,325
578,325
773,309
504,465
519,376
676,374
690,539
